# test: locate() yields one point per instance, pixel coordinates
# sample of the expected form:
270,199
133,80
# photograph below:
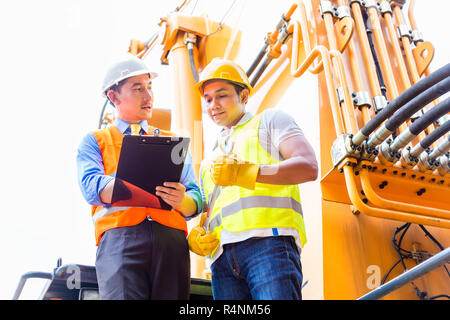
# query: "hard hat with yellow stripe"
223,69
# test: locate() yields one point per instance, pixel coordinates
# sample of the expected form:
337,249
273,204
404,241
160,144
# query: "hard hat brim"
152,75
199,85
226,70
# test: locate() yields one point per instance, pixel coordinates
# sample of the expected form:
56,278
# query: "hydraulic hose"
431,138
421,124
407,110
429,160
190,46
285,18
261,70
374,53
257,60
417,103
398,102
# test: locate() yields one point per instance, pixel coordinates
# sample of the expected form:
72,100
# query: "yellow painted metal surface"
357,245
358,252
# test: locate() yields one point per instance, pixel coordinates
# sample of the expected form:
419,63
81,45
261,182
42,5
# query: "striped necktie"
135,129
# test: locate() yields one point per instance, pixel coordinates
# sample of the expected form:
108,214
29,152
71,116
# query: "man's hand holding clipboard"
148,173
173,193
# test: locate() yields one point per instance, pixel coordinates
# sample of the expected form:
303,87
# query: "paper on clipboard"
147,162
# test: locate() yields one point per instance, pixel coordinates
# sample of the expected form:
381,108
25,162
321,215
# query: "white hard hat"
127,67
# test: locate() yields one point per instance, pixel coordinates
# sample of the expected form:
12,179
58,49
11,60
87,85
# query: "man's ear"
112,95
244,96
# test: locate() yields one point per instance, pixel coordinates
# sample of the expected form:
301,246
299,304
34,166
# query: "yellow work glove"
200,241
229,171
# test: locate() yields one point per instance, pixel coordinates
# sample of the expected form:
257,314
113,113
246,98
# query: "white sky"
53,57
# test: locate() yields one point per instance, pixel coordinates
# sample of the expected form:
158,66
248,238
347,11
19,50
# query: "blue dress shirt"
91,172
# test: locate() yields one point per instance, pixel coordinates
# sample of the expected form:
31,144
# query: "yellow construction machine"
378,220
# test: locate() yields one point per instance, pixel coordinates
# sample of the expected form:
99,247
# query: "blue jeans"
260,269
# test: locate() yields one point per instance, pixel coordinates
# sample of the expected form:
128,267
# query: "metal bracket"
361,99
399,3
379,102
444,165
342,12
384,7
404,31
368,153
343,148
386,155
325,6
370,4
359,1
426,164
416,36
407,160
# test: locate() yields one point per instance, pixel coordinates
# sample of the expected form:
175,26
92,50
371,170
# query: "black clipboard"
146,162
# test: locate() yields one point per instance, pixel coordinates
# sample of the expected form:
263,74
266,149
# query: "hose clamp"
444,165
361,99
358,1
416,36
398,3
342,12
379,103
426,164
340,94
370,4
325,6
407,160
343,147
368,153
404,31
387,156
384,7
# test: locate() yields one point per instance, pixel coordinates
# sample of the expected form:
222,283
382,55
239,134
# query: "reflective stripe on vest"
261,201
255,201
252,202
103,212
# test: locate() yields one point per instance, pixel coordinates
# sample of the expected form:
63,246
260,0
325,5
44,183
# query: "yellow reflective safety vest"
268,206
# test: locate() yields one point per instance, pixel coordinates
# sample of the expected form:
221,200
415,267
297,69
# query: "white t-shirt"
276,126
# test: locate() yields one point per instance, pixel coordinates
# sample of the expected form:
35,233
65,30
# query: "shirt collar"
246,117
123,125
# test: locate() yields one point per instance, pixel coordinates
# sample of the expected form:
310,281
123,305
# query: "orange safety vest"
110,142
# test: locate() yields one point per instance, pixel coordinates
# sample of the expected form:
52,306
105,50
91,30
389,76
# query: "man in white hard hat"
257,217
142,252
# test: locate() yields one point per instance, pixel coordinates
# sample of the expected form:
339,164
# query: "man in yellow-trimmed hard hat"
223,69
257,217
